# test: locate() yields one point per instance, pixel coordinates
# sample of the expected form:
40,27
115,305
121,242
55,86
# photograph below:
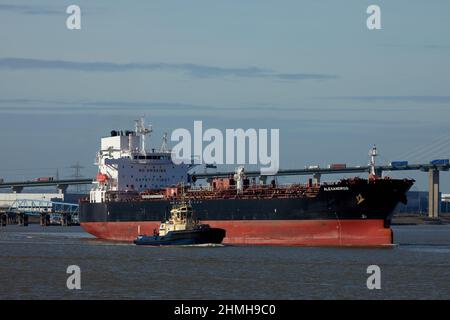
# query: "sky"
310,68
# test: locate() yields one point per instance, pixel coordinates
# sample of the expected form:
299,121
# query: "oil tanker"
135,190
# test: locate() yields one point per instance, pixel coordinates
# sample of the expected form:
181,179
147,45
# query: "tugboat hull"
184,237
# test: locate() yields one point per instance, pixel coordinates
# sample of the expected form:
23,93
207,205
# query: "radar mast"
164,144
142,130
373,153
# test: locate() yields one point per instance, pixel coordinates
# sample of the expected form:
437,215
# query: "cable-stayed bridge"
432,167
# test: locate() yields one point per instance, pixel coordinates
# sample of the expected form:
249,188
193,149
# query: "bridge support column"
316,178
17,189
62,188
433,194
44,219
12,218
66,219
22,219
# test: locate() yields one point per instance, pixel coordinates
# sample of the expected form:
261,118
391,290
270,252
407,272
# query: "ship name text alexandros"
335,189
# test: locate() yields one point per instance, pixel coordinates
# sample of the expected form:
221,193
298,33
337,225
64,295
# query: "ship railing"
290,191
121,195
203,192
201,188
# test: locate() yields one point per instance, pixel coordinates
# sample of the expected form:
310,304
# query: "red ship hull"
267,232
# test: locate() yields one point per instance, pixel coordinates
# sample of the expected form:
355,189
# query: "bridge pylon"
17,189
433,194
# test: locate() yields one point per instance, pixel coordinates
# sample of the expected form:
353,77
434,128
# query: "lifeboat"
101,177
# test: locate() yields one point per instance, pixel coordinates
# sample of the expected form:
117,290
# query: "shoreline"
402,219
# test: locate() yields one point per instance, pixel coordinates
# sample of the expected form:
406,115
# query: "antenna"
373,153
164,144
142,131
77,174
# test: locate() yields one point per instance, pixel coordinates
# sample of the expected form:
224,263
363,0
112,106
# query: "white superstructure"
125,165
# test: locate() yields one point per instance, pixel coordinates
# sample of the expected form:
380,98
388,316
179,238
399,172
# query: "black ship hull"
353,212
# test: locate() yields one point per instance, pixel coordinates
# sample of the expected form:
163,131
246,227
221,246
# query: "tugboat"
182,228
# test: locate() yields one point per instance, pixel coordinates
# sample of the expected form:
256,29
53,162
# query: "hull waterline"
269,232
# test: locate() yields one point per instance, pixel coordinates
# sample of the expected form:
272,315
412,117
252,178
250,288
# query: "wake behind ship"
135,190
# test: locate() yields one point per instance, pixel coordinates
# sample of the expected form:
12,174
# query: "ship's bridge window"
152,157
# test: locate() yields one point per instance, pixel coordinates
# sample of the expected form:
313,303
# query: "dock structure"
65,214
3,217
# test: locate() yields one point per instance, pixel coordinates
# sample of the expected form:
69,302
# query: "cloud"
415,99
193,70
306,76
435,46
36,104
31,9
33,105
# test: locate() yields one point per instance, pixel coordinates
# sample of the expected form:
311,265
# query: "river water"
34,261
